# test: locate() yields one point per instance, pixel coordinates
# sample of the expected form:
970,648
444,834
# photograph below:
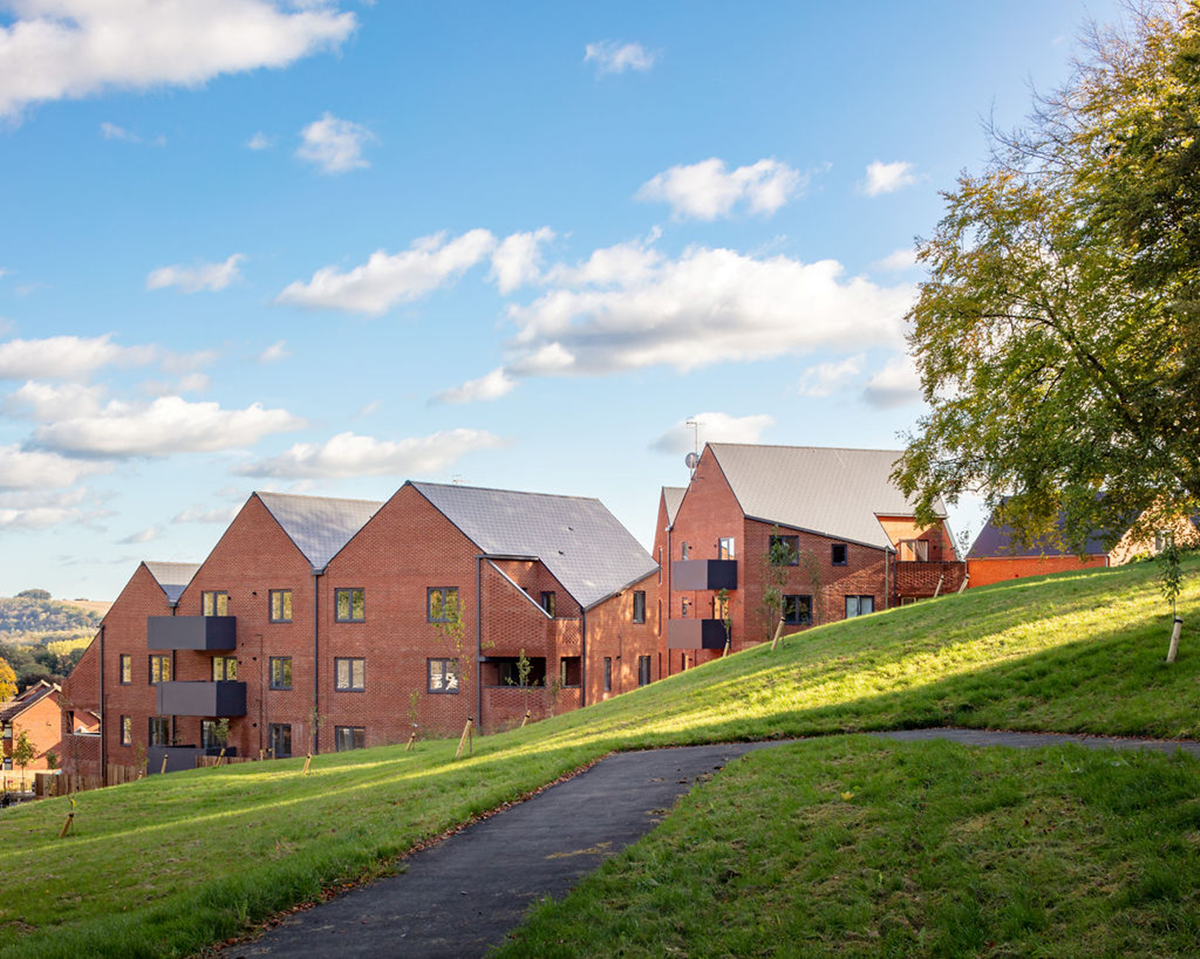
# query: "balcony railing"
206,699
180,758
704,574
696,634
207,633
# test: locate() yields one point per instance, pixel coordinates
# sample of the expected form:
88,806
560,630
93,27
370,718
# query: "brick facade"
983,572
41,722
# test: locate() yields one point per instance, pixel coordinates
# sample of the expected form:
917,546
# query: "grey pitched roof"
172,577
999,541
576,538
836,492
319,525
673,496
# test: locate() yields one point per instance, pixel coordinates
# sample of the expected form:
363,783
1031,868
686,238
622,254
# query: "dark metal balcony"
180,758
207,633
695,634
201,699
704,574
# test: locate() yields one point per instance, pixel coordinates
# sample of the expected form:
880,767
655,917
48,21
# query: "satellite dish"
692,460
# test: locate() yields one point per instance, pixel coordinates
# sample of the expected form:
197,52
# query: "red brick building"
335,624
37,714
825,529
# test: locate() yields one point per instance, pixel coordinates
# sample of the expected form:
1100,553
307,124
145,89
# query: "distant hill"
44,638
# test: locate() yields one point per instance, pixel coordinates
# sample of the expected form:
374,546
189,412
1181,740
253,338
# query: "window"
160,731
797,610
720,607
160,669
725,547
213,733
126,669
441,604
608,674
570,671
643,670
350,675
1163,539
837,554
224,669
350,605
914,550
785,550
349,737
442,675
660,566
859,605
214,604
280,738
126,731
548,603
506,671
639,605
281,605
684,551
685,606
281,672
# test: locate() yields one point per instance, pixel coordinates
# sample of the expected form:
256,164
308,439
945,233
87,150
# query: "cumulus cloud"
22,469
46,402
897,384
334,145
347,455
67,357
387,279
898,260
193,279
260,141
68,49
169,424
518,259
888,177
202,514
714,428
490,386
37,517
274,353
612,56
147,535
709,189
825,379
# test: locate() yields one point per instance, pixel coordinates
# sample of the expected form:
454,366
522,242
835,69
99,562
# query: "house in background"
37,714
825,527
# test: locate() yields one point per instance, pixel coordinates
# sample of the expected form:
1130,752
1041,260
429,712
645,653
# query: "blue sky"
324,247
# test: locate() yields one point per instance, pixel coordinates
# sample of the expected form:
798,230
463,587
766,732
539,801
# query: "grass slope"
170,864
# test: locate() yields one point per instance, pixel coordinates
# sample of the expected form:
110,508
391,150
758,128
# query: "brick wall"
985,571
920,580
42,725
941,548
612,633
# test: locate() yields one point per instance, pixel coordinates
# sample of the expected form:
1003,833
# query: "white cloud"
518,259
897,384
110,131
825,379
490,386
611,56
193,279
42,470
275,352
202,514
334,145
387,279
186,362
46,402
35,518
888,177
147,535
167,425
714,428
260,141
708,189
69,49
898,260
67,357
347,455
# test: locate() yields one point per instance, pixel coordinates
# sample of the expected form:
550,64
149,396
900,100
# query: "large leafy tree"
8,681
1057,335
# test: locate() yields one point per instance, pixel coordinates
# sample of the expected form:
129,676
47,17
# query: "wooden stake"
69,825
163,771
221,756
525,719
778,630
262,754
307,763
463,739
411,739
966,579
937,592
1174,650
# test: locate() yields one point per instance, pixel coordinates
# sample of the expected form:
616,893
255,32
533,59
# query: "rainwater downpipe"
478,641
103,721
316,726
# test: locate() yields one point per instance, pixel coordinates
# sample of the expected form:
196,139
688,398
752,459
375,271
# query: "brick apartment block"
851,545
335,624
37,714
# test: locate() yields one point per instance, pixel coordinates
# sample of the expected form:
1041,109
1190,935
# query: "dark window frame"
163,659
725,547
685,550
273,731
608,674
126,669
639,605
225,670
444,592
126,730
356,734
791,541
833,552
164,725
858,604
549,603
281,618
213,740
271,672
564,669
205,594
349,592
449,667
644,678
797,619
351,688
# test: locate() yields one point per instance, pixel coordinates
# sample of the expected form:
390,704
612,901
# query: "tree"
23,753
773,574
8,681
34,594
1056,336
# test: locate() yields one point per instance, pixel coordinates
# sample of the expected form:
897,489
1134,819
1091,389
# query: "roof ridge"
337,499
497,489
788,446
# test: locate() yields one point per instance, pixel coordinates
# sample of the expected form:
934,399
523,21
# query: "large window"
839,554
548,602
914,550
349,737
160,669
797,610
350,605
281,605
859,605
350,675
280,738
224,669
213,733
281,672
725,547
442,604
442,675
126,669
607,674
160,731
785,551
643,670
639,605
570,671
126,731
214,603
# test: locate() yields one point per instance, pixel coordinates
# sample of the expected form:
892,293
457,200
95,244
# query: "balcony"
180,758
205,633
695,634
201,699
704,574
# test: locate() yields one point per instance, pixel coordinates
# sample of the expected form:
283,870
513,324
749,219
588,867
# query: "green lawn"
170,864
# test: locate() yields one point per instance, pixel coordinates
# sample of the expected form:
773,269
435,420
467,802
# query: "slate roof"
673,496
998,541
835,492
172,577
576,538
319,525
12,708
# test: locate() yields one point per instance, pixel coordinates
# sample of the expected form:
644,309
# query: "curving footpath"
460,897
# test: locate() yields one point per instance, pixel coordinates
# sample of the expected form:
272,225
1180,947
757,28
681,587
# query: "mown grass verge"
170,864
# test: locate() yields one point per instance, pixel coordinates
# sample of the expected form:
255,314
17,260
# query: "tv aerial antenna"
693,458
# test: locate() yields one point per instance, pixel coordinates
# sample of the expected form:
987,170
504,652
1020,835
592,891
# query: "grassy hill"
169,864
